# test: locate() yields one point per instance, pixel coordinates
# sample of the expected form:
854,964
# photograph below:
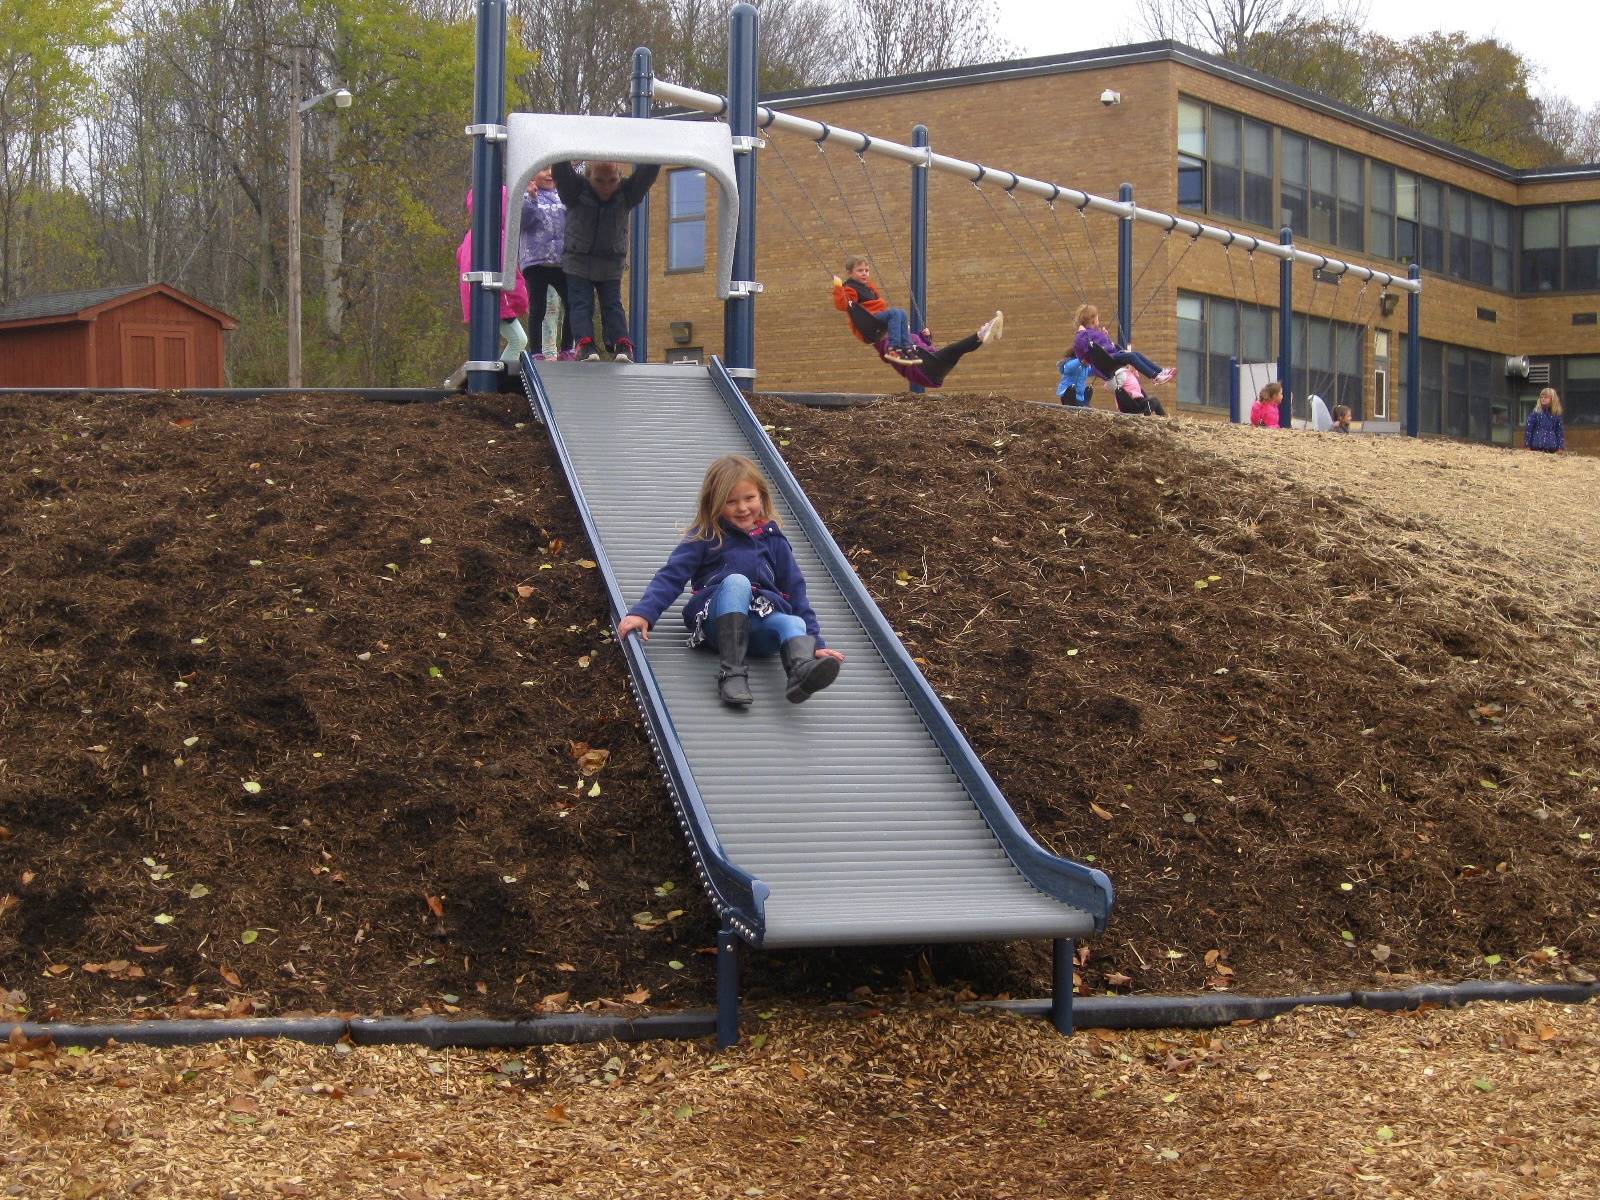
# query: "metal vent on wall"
1539,373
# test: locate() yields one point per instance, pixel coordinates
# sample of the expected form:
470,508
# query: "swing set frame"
748,121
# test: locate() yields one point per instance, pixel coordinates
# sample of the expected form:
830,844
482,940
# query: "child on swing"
912,355
749,595
1092,333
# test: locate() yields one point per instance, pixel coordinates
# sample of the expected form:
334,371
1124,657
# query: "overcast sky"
1564,46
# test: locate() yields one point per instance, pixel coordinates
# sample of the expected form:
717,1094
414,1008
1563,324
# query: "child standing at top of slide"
749,595
1092,333
595,249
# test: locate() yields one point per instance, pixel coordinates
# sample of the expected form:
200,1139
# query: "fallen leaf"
1103,814
638,997
524,590
229,976
558,1114
164,918
797,1071
435,905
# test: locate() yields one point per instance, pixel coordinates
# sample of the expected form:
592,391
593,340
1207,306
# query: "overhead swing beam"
976,173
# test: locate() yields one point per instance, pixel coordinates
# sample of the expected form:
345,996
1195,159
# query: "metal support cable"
1043,241
843,199
1193,241
800,187
1061,236
793,224
1043,278
883,219
1098,265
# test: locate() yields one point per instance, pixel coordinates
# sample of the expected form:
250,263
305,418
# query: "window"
1432,372
1191,349
1257,173
1226,160
1430,204
1583,247
1383,210
1502,247
1319,163
1292,185
1581,401
1380,374
1191,155
1352,171
686,221
1541,249
1406,231
1327,363
1455,393
1211,333
1460,244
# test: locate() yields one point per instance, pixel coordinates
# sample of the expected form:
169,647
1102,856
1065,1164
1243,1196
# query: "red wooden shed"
144,335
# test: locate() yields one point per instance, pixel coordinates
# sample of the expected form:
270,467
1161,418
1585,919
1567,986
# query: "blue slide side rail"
1072,883
739,897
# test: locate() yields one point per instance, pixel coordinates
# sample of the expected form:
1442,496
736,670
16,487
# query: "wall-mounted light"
1387,303
682,332
1110,98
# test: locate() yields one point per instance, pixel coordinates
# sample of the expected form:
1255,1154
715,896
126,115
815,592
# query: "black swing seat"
870,326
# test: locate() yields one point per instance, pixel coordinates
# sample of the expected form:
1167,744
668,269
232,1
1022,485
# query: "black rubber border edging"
386,395
1089,1012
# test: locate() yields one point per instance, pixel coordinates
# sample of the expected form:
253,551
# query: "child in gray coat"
596,250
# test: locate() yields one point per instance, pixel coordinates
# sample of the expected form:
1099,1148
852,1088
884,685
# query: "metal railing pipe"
1010,181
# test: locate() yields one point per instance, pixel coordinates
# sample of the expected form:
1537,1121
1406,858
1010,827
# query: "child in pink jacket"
1266,410
513,303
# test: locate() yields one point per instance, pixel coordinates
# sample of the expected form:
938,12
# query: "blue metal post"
488,177
1286,330
1061,985
739,312
1414,358
919,239
1234,405
1125,270
639,234
727,988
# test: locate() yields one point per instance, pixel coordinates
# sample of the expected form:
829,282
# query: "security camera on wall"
1109,97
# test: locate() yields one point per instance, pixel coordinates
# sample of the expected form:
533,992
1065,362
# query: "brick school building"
1510,258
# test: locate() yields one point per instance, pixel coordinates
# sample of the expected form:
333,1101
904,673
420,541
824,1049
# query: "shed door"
157,356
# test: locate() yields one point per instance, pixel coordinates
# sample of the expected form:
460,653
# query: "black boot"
733,677
807,673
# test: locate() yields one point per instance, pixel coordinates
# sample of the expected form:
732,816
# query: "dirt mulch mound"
1490,1101
299,700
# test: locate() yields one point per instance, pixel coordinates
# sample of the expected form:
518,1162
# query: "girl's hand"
633,624
927,333
825,652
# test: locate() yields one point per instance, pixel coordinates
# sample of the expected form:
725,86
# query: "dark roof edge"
1171,51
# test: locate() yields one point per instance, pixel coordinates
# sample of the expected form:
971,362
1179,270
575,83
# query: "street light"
341,99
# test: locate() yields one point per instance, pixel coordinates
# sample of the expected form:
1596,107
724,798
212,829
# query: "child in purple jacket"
1091,332
749,595
544,224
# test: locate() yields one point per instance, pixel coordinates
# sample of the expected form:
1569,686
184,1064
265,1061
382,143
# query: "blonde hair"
1555,400
1088,314
852,261
1274,388
722,476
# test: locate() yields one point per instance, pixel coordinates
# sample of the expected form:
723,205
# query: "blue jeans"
580,303
1132,358
766,633
898,329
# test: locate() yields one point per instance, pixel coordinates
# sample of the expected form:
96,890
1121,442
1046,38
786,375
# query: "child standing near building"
1545,430
1074,389
749,595
596,249
1092,333
1267,410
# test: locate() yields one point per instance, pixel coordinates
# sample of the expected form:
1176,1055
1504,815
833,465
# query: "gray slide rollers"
861,816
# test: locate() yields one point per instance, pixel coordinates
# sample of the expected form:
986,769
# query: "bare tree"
902,37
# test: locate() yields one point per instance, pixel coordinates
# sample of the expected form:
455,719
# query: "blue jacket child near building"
1545,429
749,594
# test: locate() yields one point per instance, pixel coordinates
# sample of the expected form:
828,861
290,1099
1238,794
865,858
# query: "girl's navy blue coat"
765,558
